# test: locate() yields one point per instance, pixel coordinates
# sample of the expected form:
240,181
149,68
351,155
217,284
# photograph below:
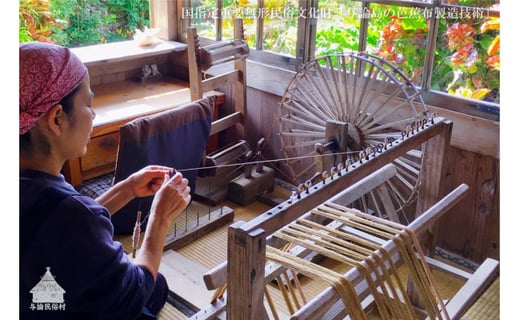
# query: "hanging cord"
136,235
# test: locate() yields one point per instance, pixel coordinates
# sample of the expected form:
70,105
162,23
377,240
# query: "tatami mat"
170,313
487,307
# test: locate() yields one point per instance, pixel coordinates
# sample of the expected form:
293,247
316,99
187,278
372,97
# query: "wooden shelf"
119,102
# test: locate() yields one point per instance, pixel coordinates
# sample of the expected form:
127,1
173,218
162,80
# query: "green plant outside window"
396,33
466,51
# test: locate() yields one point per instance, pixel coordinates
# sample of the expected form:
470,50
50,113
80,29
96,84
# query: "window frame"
306,41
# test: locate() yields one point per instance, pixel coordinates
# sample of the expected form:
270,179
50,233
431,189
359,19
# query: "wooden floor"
184,268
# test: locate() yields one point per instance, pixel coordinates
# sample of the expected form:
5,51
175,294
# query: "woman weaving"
66,238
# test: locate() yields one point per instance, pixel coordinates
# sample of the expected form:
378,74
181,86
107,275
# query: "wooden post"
245,269
164,15
432,186
195,74
431,189
240,85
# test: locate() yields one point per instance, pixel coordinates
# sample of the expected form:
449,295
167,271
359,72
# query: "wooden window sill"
124,50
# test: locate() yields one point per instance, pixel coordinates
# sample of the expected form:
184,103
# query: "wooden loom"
246,273
200,60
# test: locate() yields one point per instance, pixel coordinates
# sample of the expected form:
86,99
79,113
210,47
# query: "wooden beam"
220,80
365,185
472,133
291,209
216,310
184,278
472,289
226,122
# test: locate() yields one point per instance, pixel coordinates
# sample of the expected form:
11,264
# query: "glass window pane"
473,3
280,19
203,15
399,35
467,60
338,26
245,9
419,1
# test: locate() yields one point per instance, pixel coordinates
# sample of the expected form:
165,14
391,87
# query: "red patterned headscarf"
48,73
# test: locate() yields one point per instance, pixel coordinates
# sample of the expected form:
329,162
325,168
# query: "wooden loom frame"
202,58
245,272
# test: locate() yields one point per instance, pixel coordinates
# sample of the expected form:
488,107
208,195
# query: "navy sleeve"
76,243
110,282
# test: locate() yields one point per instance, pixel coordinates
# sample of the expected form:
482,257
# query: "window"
77,23
448,48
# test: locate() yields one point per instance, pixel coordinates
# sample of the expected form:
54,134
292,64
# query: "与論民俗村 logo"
47,294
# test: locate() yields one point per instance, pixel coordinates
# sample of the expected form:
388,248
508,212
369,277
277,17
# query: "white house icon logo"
47,294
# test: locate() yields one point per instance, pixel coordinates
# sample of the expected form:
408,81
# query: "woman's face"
81,121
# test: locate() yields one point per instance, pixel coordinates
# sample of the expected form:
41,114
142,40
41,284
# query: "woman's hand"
172,197
148,180
143,183
168,203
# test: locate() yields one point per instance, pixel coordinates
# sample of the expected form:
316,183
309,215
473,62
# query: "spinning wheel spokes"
342,104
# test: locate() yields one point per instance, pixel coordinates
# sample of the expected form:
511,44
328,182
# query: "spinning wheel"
336,107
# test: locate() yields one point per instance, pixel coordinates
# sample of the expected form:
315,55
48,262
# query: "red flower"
459,35
494,62
464,55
